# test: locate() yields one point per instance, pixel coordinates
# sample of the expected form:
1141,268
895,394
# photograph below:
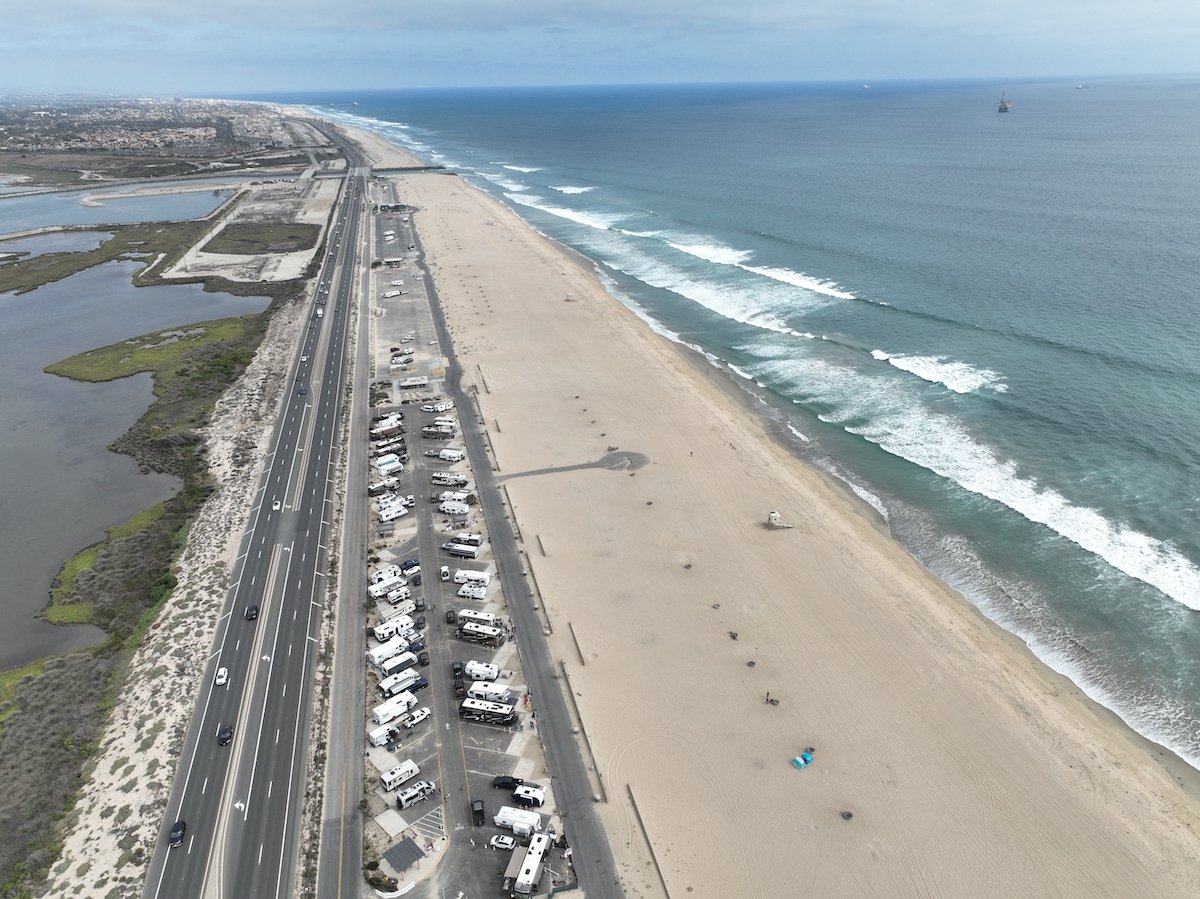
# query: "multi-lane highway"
241,801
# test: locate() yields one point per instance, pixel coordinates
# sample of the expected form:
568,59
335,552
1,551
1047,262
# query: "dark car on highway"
178,831
225,735
251,612
477,812
504,782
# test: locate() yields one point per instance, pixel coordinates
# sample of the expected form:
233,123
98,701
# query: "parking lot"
436,610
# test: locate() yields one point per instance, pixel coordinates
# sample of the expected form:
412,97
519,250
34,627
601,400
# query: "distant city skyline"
132,47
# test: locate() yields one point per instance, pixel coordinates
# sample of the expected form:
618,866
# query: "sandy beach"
948,761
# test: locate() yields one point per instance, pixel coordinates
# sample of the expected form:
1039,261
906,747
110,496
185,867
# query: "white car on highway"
222,677
416,717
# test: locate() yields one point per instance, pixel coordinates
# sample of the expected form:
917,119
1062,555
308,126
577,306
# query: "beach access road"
241,801
575,800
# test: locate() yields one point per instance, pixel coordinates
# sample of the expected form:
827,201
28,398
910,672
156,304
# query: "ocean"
984,323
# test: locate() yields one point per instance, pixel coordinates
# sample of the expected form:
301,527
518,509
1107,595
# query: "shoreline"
740,390
965,664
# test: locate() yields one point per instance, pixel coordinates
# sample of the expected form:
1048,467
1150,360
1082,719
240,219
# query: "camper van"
393,777
466,576
418,792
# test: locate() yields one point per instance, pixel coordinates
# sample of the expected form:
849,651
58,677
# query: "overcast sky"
213,47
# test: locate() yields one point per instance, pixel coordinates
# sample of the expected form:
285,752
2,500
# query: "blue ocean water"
985,323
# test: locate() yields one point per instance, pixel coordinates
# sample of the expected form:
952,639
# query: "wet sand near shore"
948,761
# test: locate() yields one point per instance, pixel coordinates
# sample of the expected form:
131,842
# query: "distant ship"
1081,87
353,102
1003,105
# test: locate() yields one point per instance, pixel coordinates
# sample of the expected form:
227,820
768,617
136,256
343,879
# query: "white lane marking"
190,842
260,852
270,787
276,735
237,645
204,787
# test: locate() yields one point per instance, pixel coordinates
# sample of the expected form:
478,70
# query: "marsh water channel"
60,487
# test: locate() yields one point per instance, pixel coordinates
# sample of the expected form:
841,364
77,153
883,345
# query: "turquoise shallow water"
985,323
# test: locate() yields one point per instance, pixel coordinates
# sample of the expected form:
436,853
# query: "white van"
466,576
418,792
392,778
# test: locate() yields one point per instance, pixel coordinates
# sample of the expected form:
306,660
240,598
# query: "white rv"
454,507
478,617
383,652
466,576
393,708
482,670
490,692
381,736
451,455
393,777
383,587
518,821
472,591
460,549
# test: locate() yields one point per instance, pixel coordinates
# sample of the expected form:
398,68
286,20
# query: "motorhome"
399,595
436,433
383,572
466,576
393,777
490,692
481,670
404,606
393,708
454,507
381,736
395,684
458,496
386,630
445,422
451,455
460,549
472,591
397,664
440,406
386,585
447,479
380,654
530,866
413,383
499,713
518,821
391,513
478,617
480,633
466,537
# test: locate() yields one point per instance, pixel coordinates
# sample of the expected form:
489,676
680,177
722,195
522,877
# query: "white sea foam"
958,376
522,168
591,219
881,411
798,433
568,189
799,279
712,252
503,182
748,304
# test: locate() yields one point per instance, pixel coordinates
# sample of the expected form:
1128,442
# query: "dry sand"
970,768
